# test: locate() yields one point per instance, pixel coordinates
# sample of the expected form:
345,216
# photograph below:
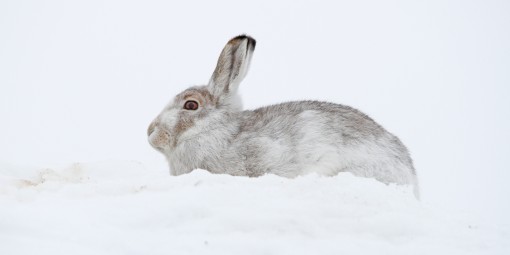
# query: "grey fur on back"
287,139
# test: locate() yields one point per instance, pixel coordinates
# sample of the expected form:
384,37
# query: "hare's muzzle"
158,138
151,128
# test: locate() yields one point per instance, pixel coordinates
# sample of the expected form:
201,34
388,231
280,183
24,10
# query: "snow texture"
80,81
125,208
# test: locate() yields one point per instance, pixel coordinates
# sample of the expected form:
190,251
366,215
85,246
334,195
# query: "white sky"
81,81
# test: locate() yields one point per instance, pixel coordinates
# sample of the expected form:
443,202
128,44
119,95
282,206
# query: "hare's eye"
191,105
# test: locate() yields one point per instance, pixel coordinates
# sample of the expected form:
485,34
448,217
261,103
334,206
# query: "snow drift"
124,208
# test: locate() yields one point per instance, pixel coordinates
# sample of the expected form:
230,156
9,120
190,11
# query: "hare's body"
205,127
295,138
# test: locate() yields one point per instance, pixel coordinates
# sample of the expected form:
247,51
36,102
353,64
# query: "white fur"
288,139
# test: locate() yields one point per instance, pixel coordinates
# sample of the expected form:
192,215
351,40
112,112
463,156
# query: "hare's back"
325,136
291,118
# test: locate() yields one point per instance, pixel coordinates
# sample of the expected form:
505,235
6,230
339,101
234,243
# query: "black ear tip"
251,41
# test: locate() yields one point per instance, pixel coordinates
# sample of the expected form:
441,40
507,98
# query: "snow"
124,207
80,81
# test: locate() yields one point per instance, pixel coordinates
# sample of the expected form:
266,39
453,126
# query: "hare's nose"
151,128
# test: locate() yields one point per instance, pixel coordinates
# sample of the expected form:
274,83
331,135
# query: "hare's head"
192,109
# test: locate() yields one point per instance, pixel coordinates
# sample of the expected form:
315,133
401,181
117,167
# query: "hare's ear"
232,66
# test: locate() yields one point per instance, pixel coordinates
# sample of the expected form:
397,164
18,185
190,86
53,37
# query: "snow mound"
124,208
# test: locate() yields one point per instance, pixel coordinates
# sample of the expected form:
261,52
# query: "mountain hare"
205,127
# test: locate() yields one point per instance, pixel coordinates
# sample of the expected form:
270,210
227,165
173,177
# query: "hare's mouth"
159,139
